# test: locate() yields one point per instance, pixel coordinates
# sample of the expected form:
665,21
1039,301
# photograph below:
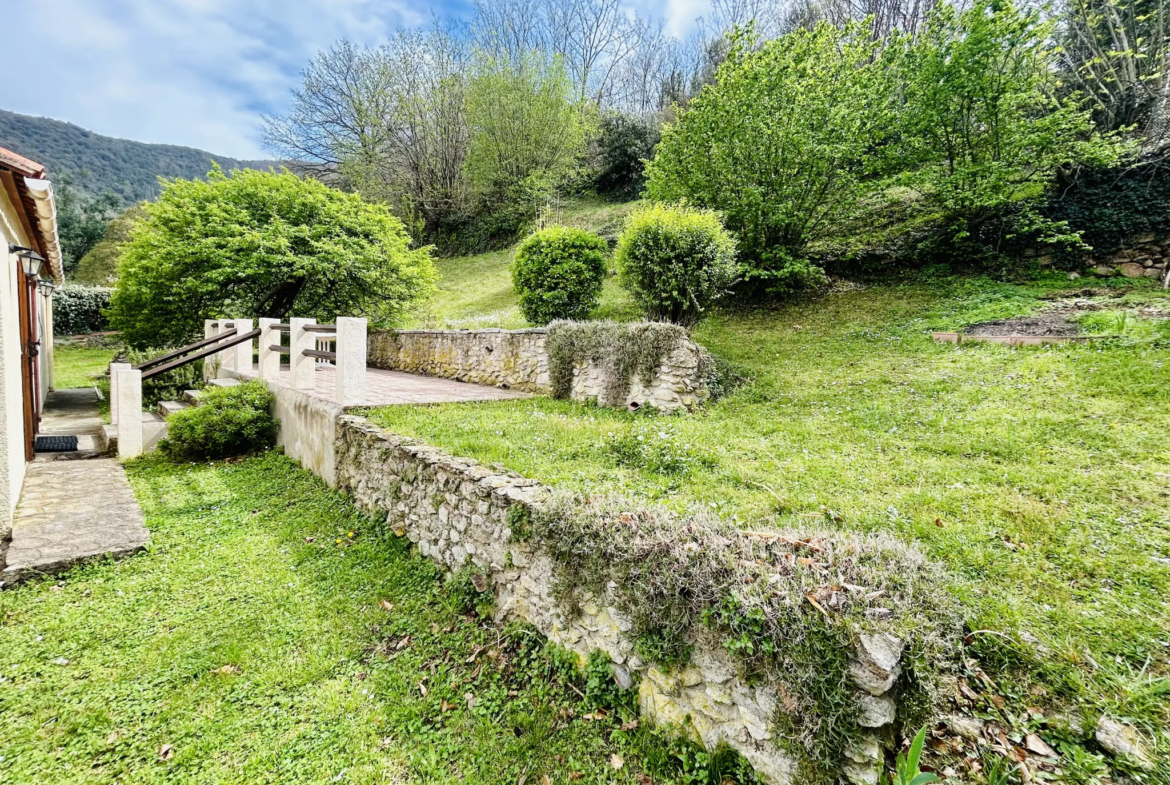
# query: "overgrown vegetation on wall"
625,350
789,605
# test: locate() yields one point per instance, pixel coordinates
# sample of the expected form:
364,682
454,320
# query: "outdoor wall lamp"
30,260
46,287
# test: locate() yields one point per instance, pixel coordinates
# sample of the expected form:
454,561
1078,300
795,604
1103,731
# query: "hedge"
77,310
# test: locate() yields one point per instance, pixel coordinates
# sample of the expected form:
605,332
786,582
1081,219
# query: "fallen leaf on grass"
631,725
387,605
1037,745
402,644
544,780
227,670
576,775
444,706
616,761
310,539
422,688
166,752
644,779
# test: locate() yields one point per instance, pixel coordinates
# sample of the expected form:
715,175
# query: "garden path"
73,506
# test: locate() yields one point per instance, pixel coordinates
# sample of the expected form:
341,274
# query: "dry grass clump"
791,604
623,349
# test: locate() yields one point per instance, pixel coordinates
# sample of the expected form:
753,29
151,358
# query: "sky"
196,72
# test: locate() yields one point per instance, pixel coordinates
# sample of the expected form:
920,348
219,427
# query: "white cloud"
189,72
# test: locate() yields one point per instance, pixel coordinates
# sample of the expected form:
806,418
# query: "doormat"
56,444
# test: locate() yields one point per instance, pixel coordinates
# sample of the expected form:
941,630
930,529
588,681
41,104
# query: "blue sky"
194,72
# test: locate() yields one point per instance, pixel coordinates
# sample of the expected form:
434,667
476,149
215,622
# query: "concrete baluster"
350,375
128,404
302,369
242,352
268,363
114,368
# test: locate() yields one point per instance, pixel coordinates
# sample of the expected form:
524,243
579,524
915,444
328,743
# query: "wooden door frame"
28,361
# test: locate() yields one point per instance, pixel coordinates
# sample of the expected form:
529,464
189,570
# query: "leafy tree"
782,143
99,267
984,127
624,145
676,261
81,219
558,274
261,244
523,122
1118,53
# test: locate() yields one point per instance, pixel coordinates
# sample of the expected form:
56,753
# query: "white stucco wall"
11,411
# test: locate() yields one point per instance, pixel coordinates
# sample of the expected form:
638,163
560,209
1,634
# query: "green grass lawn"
79,366
1039,477
273,634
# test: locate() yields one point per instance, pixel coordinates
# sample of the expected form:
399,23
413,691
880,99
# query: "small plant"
906,771
676,261
657,449
228,421
601,688
558,274
468,591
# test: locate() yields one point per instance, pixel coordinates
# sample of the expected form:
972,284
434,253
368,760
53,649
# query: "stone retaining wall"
518,360
1146,255
455,509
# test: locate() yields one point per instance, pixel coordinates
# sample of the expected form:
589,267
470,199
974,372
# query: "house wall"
12,463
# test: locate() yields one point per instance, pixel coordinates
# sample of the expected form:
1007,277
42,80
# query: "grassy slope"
255,638
1037,476
476,291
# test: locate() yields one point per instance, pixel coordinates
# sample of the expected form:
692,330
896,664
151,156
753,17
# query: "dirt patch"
1038,324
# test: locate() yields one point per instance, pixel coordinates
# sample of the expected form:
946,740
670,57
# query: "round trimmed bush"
228,421
558,274
676,261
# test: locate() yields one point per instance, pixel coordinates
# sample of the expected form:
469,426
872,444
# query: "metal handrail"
199,355
319,355
320,328
279,349
162,358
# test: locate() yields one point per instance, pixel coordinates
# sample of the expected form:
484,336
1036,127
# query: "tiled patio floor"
387,388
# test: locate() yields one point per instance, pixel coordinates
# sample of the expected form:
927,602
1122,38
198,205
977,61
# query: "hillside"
128,169
1030,475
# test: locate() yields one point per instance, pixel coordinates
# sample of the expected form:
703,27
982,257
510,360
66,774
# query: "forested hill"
128,169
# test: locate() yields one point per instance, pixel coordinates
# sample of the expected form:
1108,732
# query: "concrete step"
225,382
154,430
167,408
190,396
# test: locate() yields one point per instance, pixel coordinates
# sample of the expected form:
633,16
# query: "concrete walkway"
74,506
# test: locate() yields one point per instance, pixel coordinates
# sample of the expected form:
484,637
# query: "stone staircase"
154,424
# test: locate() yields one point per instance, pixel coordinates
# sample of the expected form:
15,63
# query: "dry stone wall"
518,360
457,510
1143,256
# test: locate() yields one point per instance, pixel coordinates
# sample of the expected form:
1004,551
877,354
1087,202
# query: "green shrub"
558,274
676,261
228,421
77,310
166,386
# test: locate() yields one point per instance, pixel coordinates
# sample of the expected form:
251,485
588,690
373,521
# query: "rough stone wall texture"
1145,255
517,359
455,509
